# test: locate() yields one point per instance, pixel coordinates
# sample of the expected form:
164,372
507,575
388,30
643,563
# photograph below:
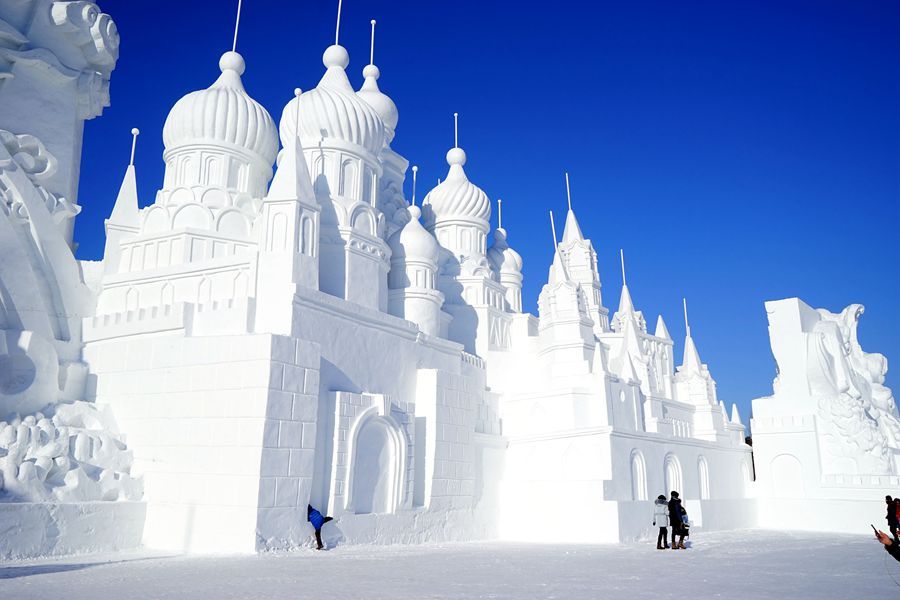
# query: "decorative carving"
26,152
71,456
91,30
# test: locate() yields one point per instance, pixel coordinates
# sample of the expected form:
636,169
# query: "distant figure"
661,520
892,547
676,521
891,516
317,520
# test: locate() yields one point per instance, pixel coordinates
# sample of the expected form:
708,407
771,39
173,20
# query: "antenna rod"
456,130
500,214
237,22
337,29
568,192
687,326
622,258
415,170
372,45
134,134
297,92
556,248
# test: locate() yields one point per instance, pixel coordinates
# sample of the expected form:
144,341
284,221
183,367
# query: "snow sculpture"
269,338
830,420
57,55
72,456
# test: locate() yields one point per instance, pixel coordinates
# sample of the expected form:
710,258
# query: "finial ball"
297,92
372,21
232,61
414,212
135,131
371,71
336,56
456,156
415,169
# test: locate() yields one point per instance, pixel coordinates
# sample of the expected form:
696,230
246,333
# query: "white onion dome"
503,258
456,197
223,114
380,101
333,110
413,241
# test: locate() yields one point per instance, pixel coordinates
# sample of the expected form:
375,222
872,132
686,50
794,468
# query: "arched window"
674,482
638,476
348,179
131,299
703,471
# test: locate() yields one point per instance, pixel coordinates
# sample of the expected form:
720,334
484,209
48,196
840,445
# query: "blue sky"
738,151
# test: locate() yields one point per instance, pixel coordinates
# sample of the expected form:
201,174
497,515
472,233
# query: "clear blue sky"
738,151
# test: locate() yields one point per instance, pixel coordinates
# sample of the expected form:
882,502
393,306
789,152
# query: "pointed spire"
572,230
687,326
415,171
499,213
559,265
735,415
691,361
337,27
125,211
292,179
631,343
627,370
626,306
661,330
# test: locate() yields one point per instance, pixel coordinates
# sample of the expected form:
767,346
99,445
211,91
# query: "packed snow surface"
735,564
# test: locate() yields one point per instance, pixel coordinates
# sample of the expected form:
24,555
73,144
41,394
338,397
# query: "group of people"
891,542
668,513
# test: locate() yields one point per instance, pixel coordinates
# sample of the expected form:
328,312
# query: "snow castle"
259,338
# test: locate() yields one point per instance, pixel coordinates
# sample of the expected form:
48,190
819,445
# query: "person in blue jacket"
317,520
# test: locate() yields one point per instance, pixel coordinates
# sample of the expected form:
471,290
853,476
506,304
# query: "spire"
627,370
499,213
735,415
559,264
125,210
415,171
572,231
292,179
661,330
626,306
691,361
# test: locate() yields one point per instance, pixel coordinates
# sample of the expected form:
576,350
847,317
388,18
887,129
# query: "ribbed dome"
333,110
503,258
380,101
413,241
456,196
223,113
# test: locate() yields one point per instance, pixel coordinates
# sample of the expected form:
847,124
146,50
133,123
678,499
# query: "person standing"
661,520
675,520
892,517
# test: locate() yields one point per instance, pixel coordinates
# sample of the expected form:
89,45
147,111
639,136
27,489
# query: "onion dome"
380,101
413,241
223,114
333,110
503,258
457,197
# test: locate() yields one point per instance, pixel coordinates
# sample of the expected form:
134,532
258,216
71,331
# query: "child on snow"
661,520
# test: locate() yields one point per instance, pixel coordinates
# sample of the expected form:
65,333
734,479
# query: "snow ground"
736,564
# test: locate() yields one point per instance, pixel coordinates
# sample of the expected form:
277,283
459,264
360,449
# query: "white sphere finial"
456,156
297,92
134,133
415,212
336,56
232,61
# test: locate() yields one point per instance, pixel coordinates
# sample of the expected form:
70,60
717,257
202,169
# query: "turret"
507,265
412,281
